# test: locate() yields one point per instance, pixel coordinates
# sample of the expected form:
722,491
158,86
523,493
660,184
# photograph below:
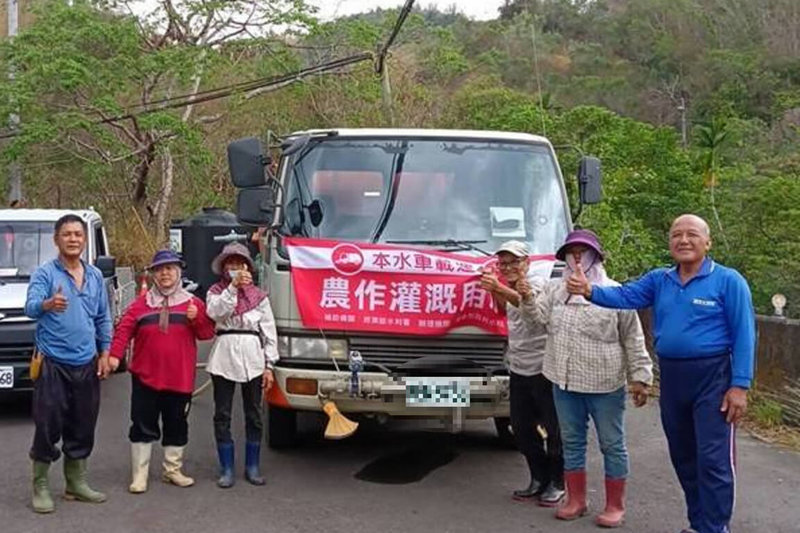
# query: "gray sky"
479,9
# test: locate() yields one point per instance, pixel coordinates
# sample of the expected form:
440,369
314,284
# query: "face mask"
588,259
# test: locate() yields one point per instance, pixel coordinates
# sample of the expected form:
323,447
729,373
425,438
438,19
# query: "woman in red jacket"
165,324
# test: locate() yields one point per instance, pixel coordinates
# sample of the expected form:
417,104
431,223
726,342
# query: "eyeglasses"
504,265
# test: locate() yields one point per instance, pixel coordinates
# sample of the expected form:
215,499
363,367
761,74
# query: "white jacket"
244,357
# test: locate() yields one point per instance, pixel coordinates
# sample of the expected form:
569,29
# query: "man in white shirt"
533,414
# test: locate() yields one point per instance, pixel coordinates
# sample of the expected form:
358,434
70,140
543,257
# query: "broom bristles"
339,426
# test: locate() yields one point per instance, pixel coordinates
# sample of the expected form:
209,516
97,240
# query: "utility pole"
684,133
14,170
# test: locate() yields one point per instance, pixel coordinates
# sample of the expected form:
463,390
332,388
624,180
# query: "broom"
339,427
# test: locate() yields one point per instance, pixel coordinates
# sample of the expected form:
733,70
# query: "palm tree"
709,138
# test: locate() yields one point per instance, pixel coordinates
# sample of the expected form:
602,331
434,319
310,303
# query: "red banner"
392,289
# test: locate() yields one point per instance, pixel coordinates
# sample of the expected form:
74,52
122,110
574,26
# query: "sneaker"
551,496
528,493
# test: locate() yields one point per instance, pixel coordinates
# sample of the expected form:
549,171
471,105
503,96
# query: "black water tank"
194,238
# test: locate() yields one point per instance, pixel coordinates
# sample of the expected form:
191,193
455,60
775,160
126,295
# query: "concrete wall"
778,351
778,357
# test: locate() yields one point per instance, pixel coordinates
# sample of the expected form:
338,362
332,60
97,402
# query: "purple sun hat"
581,236
165,257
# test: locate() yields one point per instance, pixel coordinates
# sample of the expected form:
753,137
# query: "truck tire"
504,434
281,427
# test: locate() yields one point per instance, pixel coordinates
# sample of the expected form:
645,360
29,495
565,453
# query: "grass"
766,420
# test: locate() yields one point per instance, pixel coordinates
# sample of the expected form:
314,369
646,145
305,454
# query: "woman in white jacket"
244,352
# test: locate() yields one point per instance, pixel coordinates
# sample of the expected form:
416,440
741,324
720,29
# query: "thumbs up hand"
58,302
191,311
577,283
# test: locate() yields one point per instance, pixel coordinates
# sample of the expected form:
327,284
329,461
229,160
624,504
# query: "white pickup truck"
26,241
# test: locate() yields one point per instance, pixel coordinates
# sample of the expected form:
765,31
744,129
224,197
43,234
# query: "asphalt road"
397,479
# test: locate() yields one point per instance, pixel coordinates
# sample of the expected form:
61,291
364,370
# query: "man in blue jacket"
68,299
704,329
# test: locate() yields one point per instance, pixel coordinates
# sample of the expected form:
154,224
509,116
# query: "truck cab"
452,191
26,241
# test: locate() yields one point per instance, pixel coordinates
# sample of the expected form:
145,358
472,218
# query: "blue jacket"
711,315
75,336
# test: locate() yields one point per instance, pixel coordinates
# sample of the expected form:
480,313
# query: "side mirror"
590,180
107,265
256,206
246,163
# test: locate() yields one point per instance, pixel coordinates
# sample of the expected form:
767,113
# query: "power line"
401,19
251,85
538,76
223,92
215,94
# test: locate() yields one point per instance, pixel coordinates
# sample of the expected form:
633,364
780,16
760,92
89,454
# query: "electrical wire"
401,19
251,85
223,92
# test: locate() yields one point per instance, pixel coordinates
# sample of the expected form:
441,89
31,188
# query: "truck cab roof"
46,215
425,133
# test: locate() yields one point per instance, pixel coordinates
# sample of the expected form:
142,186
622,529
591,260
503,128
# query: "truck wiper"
299,182
398,160
464,245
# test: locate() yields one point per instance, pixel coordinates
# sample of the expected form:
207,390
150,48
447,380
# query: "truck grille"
15,352
12,313
487,352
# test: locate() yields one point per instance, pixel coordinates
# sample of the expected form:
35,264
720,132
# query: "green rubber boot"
42,500
77,487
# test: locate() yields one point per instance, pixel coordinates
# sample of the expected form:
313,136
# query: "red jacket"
163,361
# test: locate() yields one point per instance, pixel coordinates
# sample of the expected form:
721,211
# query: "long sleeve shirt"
712,314
75,336
162,360
526,339
241,357
589,349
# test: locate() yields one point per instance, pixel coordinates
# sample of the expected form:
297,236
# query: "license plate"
6,377
437,392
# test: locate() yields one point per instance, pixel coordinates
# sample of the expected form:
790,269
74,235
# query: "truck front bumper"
381,394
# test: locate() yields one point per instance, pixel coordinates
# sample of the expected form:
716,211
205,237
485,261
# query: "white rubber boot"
173,461
140,466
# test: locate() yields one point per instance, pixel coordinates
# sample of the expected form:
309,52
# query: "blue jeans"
607,410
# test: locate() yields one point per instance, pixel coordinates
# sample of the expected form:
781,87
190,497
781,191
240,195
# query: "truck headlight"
317,348
283,346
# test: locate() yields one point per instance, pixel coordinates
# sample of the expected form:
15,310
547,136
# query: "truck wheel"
504,433
281,427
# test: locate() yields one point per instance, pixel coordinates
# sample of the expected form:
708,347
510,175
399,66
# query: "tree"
710,138
94,83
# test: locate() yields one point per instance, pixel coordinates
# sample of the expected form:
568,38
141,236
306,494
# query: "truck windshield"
24,246
428,190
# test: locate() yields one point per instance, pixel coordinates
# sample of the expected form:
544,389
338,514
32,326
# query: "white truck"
26,241
444,190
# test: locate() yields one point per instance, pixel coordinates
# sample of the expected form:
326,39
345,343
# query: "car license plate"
437,392
6,377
